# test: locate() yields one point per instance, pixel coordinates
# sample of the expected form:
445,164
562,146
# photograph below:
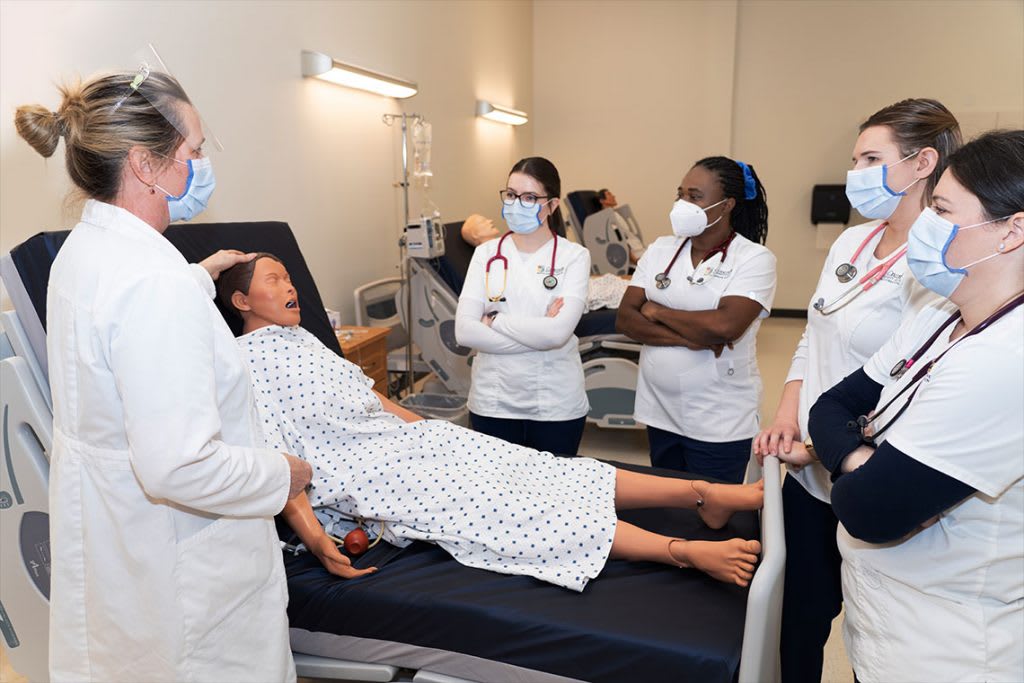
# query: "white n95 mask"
198,188
927,245
869,192
690,220
520,219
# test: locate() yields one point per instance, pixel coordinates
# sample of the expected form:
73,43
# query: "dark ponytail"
739,181
545,173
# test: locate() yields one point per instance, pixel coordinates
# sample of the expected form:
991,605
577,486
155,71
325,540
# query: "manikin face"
271,300
609,200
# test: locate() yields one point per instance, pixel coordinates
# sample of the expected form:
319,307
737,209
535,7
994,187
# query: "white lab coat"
837,344
946,603
527,365
692,393
166,564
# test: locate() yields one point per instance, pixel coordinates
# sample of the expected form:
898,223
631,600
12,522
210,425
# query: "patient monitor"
425,238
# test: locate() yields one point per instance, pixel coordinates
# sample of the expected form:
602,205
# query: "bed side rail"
759,661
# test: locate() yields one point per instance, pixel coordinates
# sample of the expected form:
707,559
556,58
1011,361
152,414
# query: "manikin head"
260,292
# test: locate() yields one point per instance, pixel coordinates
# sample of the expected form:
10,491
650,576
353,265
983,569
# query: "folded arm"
541,333
721,325
632,323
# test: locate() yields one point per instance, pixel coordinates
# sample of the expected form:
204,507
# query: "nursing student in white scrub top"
696,302
864,290
523,297
929,477
166,562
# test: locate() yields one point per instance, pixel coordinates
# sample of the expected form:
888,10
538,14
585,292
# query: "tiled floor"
776,342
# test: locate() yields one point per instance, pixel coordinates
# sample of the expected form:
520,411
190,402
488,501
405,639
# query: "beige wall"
620,94
302,151
628,94
809,71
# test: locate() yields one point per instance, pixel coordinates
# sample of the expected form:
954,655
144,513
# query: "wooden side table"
367,347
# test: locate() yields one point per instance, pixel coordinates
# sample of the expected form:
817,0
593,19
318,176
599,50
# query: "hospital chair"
601,231
423,617
610,360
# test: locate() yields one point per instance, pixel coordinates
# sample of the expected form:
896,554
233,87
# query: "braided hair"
738,180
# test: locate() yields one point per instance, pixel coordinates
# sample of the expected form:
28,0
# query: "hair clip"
140,77
749,186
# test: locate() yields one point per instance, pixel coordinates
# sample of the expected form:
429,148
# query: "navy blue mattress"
635,622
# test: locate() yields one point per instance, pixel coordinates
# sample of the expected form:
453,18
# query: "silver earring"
1002,247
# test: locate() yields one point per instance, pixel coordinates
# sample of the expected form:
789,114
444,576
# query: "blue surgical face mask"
198,188
869,192
927,244
520,219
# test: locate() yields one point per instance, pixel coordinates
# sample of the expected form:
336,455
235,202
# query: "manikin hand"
336,563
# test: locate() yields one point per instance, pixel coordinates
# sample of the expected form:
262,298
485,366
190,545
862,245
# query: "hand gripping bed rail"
759,661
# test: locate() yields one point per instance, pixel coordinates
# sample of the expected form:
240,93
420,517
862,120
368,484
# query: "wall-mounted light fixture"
319,65
496,112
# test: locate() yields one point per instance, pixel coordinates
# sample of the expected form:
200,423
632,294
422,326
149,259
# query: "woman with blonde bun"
165,561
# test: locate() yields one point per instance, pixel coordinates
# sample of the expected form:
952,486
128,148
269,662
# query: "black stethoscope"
549,281
847,271
905,364
662,280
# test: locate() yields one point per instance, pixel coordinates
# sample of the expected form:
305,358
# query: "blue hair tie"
749,186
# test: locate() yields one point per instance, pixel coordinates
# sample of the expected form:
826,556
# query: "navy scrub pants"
726,461
559,437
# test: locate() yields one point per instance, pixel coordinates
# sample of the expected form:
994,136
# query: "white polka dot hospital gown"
489,503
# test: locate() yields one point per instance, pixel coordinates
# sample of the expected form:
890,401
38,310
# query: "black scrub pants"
560,437
813,593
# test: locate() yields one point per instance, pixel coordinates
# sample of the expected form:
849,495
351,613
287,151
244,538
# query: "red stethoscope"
905,364
845,272
662,280
549,281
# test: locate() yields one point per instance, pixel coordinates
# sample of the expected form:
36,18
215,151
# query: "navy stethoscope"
549,281
905,364
845,272
662,280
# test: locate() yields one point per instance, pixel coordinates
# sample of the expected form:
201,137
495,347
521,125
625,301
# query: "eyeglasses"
528,200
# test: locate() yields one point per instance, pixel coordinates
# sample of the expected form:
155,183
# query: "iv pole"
389,119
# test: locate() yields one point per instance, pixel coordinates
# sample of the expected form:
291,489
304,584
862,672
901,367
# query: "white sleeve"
755,280
469,330
163,362
204,279
965,420
642,277
798,366
541,332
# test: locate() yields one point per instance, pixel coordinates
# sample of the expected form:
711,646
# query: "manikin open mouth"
292,304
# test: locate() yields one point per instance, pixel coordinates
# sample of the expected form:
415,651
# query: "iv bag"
421,134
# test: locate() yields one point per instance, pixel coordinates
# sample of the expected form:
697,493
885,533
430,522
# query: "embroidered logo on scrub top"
545,270
723,274
893,278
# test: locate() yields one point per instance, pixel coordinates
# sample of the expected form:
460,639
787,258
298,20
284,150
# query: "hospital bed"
423,617
601,232
610,360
